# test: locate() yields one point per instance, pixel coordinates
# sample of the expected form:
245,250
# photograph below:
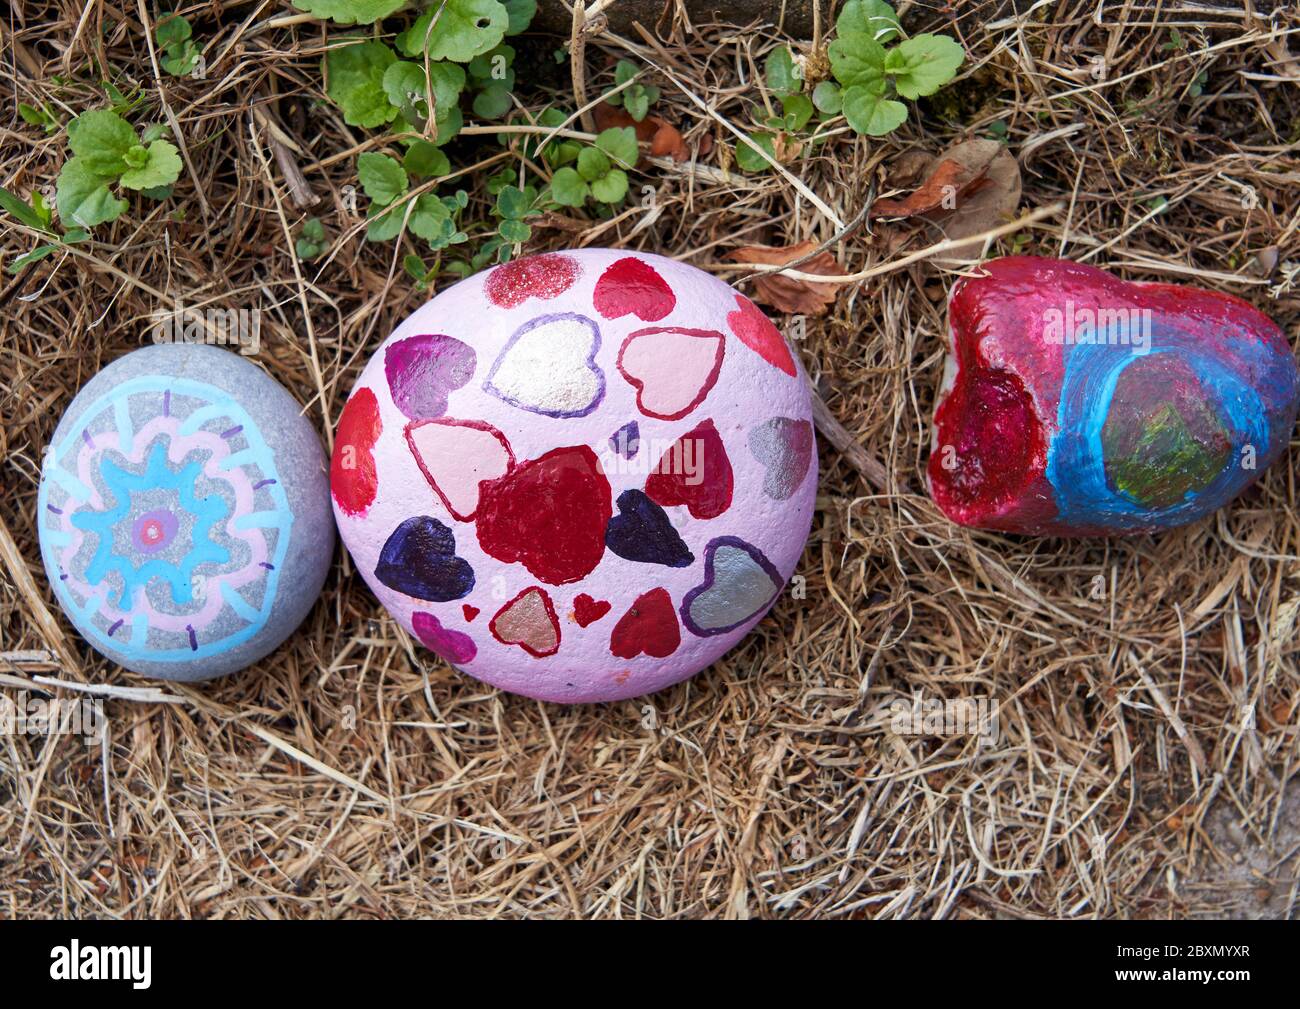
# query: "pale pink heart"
672,368
455,456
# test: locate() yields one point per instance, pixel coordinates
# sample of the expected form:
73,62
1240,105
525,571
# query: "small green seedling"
179,52
872,77
785,80
601,171
37,215
41,117
106,150
514,207
636,98
430,216
311,242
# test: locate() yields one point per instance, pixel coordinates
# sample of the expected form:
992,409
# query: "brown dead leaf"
788,294
981,208
947,184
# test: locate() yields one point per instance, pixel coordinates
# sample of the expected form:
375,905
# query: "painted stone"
1077,404
184,513
579,476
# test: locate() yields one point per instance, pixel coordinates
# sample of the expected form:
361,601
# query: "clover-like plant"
872,74
180,53
106,150
635,99
600,172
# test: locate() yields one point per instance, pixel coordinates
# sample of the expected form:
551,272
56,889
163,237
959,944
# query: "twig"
897,264
872,470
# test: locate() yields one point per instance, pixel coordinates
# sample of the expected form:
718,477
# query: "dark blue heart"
641,532
626,441
420,560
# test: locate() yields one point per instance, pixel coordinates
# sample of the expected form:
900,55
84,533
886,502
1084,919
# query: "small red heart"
756,332
587,610
694,472
632,285
353,477
542,277
649,627
470,612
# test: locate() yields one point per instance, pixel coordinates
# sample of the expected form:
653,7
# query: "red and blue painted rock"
1078,404
579,476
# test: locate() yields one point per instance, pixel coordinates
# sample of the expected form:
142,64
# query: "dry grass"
353,775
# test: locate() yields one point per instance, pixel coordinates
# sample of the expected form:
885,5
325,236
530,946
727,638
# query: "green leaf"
37,254
100,140
749,159
415,268
348,12
782,72
447,81
513,203
356,82
449,125
21,210
873,18
160,166
157,192
456,30
857,59
180,59
928,62
492,102
637,102
568,188
83,196
797,109
311,242
494,66
515,232
611,187
383,179
869,111
41,117
384,224
172,30
826,96
404,85
152,132
619,142
592,164
431,220
426,160
520,14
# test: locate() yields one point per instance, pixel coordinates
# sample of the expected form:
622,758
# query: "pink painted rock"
579,476
1078,404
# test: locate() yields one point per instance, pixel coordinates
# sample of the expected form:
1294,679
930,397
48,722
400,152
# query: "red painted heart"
353,477
548,514
511,284
649,627
470,612
633,286
755,331
587,611
694,472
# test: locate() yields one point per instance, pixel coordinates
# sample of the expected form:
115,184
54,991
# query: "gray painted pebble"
184,512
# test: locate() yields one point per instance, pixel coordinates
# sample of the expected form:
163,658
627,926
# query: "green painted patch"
1166,461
